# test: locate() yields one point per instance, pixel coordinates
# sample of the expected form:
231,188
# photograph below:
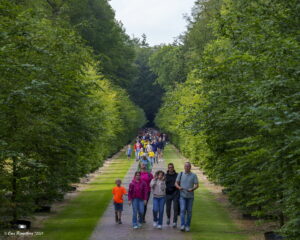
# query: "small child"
129,151
118,192
141,153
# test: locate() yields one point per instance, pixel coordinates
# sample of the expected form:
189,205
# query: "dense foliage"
237,114
60,117
94,20
144,91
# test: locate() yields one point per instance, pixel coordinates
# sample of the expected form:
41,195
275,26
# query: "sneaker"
154,224
120,222
159,227
135,227
182,228
187,229
174,225
168,221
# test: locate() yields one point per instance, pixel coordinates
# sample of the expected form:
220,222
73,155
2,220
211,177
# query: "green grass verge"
79,218
210,220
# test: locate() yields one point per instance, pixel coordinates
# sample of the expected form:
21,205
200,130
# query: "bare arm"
196,185
178,186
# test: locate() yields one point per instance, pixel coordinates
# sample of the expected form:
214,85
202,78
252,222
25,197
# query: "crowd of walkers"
172,190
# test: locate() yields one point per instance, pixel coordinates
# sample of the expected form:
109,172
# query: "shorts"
118,207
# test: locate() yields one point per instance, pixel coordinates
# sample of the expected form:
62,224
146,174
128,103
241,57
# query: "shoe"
182,228
187,229
174,225
120,222
139,225
135,227
154,224
159,227
168,221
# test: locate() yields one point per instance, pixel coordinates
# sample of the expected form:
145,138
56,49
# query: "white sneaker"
159,227
135,227
174,225
182,228
139,225
154,224
187,229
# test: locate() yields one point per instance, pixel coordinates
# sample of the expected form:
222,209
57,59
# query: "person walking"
146,176
146,162
159,149
137,196
187,183
142,153
128,151
158,186
137,147
151,157
118,191
154,149
149,147
172,195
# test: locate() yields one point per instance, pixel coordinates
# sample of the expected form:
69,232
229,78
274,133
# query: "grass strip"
79,218
210,220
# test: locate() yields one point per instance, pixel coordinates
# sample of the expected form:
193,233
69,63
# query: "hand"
129,202
191,190
145,202
180,188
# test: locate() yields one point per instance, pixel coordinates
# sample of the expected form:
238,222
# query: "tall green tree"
59,116
144,91
237,115
168,63
95,21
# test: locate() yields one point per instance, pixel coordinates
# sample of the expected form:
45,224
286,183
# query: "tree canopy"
237,114
60,116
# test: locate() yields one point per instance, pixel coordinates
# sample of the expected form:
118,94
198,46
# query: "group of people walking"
148,147
169,189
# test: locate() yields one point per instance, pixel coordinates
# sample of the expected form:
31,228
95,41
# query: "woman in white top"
158,186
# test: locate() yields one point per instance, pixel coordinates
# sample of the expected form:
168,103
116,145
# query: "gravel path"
107,229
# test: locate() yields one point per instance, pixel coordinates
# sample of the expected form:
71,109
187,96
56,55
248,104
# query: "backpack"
180,178
149,167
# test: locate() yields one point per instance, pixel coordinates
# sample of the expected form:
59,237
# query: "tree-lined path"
75,88
91,214
210,220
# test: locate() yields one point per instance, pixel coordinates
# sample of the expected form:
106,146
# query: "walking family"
171,190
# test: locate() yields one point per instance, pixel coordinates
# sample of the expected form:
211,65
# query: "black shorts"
118,207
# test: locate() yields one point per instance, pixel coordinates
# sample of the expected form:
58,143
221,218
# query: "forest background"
75,88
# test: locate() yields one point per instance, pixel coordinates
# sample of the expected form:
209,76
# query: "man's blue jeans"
186,206
158,209
138,211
